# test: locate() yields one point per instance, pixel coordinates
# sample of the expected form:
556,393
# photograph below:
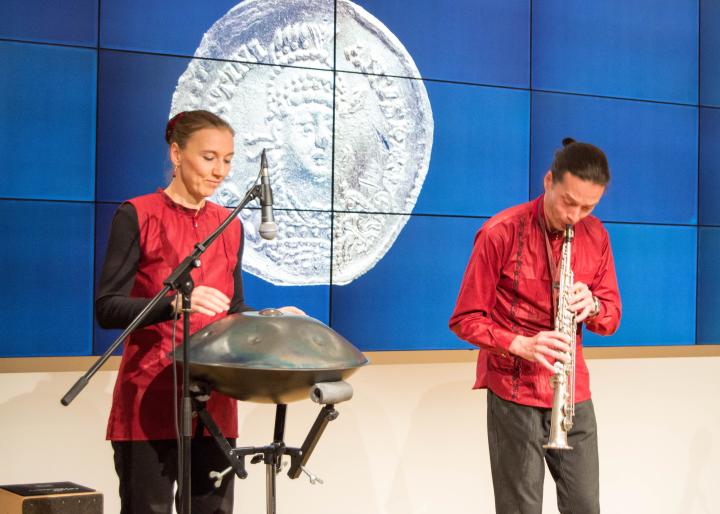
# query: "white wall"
413,440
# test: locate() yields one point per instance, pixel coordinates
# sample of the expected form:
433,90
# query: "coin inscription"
348,139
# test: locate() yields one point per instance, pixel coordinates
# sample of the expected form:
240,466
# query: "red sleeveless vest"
142,406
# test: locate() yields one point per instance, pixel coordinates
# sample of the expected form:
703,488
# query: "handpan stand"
271,357
327,393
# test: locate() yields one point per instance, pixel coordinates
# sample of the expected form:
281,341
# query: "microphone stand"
181,281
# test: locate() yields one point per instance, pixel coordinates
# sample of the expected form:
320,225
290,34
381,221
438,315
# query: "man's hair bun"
583,160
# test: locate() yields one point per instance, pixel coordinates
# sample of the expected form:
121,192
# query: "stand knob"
314,479
218,476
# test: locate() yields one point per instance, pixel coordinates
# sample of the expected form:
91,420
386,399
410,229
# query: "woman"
150,235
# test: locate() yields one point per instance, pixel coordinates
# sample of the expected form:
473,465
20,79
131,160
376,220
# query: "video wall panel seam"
379,213
332,167
530,84
95,225
46,200
425,79
697,197
47,43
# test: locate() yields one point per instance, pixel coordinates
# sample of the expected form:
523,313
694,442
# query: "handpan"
270,356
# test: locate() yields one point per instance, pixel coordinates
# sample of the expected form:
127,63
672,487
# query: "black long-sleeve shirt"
114,307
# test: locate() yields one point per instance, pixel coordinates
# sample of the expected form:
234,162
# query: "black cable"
176,417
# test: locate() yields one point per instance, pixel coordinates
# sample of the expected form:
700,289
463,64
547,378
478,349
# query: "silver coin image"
266,67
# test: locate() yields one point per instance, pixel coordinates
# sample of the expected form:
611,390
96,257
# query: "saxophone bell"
560,422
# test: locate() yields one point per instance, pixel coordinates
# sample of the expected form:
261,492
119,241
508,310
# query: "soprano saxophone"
563,381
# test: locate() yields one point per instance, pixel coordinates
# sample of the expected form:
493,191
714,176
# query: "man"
506,307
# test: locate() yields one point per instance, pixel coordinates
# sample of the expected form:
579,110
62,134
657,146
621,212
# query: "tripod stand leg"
326,415
238,465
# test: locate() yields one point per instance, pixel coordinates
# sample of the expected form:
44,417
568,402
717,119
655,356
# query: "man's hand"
582,303
542,346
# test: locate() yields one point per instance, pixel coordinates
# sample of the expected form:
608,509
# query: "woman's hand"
290,309
205,300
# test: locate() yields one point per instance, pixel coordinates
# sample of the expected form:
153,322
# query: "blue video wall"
490,89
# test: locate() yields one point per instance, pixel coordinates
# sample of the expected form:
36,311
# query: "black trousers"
516,434
148,471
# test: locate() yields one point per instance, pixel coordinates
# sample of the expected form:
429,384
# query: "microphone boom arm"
171,282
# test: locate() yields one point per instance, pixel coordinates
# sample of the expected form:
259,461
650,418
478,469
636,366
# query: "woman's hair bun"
170,127
567,141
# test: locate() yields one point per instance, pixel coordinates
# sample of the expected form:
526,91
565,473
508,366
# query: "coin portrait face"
303,128
309,134
317,84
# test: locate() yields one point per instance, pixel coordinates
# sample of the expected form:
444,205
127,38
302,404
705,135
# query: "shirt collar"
181,208
539,215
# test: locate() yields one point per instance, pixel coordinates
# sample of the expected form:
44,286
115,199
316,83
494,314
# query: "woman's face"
204,162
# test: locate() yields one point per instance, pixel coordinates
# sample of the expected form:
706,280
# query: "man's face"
569,200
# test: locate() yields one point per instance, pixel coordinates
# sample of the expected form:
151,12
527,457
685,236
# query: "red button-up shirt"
506,291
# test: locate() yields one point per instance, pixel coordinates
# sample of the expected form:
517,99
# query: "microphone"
268,228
